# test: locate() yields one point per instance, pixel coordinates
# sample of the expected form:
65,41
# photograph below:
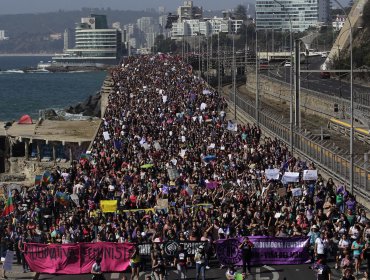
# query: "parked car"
287,64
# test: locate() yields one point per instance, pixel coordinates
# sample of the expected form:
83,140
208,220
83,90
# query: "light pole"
199,71
291,75
351,171
257,82
218,63
246,50
234,75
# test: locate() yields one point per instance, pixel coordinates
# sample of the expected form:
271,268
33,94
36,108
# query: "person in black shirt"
246,247
366,254
322,269
348,275
181,261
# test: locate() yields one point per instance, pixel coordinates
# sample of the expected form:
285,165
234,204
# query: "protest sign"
290,177
157,146
106,135
108,206
281,192
272,174
173,173
297,192
309,175
266,250
77,258
162,203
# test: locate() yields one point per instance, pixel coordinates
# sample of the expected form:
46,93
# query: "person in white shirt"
200,262
320,247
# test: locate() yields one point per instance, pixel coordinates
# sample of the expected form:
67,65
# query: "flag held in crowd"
211,185
108,206
46,178
38,179
9,206
209,158
62,198
147,165
232,126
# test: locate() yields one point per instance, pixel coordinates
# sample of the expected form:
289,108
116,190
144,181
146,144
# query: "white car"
287,64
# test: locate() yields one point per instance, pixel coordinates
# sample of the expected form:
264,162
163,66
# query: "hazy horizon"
42,6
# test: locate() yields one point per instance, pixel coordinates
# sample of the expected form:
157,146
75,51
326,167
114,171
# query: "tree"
164,45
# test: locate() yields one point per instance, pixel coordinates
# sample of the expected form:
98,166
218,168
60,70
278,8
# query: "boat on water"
43,65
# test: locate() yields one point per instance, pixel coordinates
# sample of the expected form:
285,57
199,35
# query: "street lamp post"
246,50
199,71
234,75
218,63
291,76
257,82
351,171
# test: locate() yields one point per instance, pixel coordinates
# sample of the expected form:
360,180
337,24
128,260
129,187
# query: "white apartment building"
301,14
338,23
206,27
188,11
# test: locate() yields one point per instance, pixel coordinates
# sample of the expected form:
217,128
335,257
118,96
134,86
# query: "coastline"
26,54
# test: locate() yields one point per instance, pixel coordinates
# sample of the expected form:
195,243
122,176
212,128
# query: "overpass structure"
278,56
343,38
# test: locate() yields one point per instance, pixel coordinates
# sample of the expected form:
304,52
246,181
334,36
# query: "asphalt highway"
313,81
283,272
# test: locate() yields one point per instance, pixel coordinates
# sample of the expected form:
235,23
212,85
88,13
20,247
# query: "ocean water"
27,93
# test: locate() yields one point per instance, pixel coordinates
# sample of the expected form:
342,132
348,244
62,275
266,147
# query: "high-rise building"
189,11
95,43
149,29
324,11
301,13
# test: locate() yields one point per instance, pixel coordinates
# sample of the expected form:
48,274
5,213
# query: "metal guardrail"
326,159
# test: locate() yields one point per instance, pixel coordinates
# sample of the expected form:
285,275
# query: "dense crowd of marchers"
162,117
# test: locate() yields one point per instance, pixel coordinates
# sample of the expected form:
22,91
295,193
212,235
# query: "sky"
40,6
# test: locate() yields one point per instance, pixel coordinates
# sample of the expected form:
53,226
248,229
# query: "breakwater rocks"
90,107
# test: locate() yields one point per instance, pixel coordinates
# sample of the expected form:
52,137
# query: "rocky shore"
90,107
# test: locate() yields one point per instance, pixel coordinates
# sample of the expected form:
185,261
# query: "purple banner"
266,250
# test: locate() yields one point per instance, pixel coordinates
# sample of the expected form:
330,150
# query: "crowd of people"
165,136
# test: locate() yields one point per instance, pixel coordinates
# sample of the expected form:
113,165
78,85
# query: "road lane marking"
258,275
275,275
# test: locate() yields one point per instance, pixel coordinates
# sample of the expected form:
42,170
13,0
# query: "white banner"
272,174
309,175
290,177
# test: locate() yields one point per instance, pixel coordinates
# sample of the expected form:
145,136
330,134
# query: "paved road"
312,81
284,272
